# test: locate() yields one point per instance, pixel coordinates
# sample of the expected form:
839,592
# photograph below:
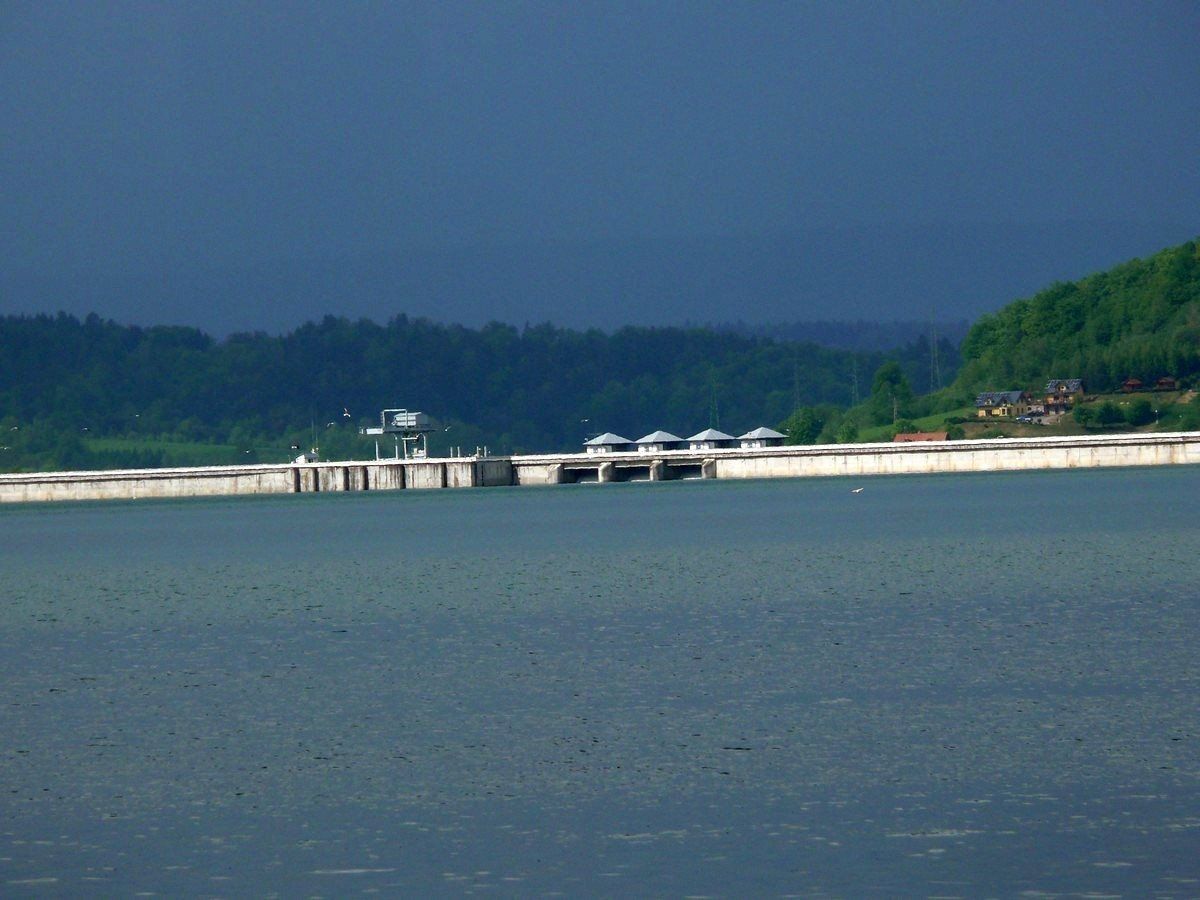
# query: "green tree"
1108,413
1139,412
847,432
890,394
804,426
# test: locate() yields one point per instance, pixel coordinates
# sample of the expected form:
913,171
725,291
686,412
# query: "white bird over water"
856,491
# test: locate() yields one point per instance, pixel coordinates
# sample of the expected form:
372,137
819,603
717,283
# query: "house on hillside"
1008,404
1166,383
1131,385
1062,394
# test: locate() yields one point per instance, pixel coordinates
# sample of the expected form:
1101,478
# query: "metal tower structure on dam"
410,430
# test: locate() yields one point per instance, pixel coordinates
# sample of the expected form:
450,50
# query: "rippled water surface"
943,686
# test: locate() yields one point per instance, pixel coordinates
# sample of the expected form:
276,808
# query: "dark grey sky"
252,165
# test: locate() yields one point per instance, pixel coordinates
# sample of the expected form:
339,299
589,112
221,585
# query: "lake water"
951,686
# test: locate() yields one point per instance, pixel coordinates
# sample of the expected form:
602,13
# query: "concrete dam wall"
848,460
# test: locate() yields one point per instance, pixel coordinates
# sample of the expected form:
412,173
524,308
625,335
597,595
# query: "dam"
846,460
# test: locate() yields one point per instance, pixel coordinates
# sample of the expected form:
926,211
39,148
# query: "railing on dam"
574,468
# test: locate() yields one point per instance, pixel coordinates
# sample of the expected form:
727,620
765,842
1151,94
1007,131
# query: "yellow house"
1006,404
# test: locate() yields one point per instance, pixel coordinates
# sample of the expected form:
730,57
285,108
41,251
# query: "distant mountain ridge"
869,272
859,335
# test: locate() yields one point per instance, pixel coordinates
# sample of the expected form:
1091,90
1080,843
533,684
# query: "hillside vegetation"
1140,319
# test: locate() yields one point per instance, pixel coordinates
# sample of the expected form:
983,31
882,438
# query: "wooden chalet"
1062,393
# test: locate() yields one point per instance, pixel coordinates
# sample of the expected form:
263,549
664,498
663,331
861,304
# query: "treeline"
64,383
1140,319
858,335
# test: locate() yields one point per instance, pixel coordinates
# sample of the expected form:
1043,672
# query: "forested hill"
537,389
1140,319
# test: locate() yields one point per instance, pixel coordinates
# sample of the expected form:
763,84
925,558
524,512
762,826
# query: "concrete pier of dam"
848,460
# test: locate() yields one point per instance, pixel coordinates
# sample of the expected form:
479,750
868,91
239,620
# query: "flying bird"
856,491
